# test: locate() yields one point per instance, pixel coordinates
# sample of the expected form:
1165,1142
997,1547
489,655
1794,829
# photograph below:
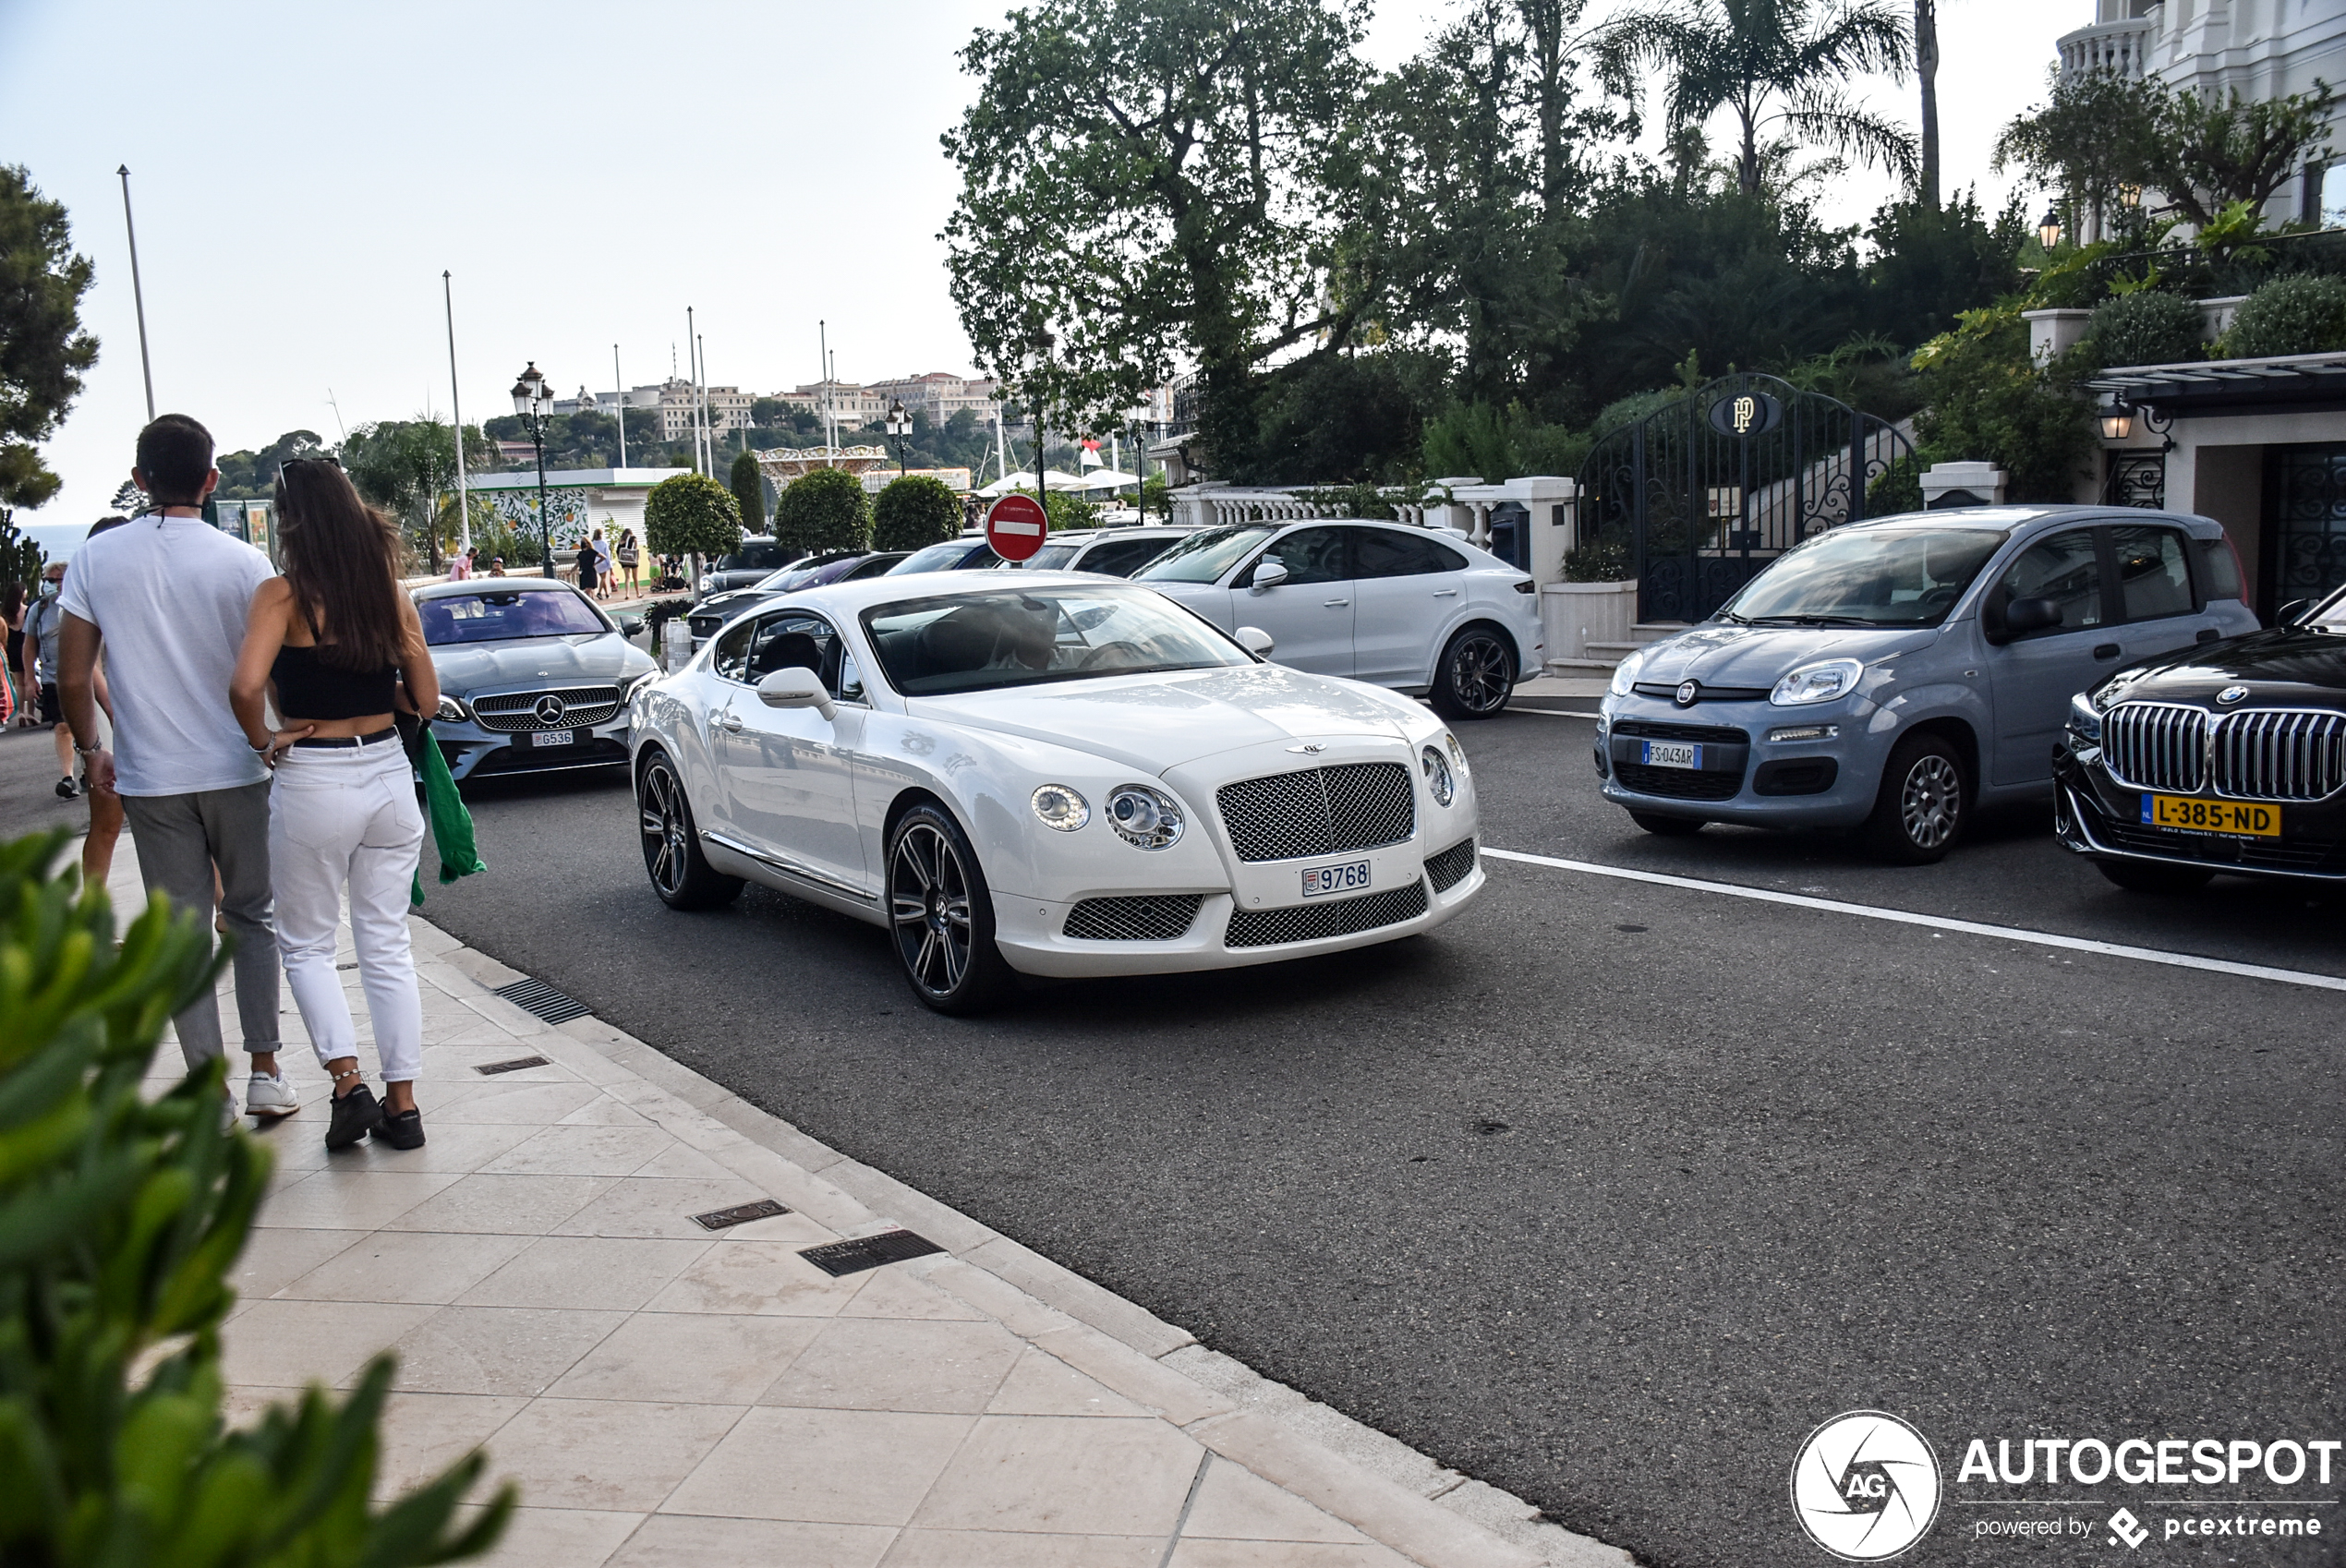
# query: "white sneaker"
270,1095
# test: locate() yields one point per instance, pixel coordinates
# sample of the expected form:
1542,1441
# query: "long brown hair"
342,560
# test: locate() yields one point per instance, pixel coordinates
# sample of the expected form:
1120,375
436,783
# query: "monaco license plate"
2233,819
1671,753
1322,880
553,737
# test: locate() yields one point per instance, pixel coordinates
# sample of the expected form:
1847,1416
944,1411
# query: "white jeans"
346,817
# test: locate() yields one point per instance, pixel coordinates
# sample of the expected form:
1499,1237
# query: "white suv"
1412,608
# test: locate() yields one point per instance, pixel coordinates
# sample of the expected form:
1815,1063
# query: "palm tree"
1782,66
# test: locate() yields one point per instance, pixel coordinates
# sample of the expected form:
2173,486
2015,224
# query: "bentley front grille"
2155,746
1312,922
559,708
1450,867
2280,754
1154,917
1319,810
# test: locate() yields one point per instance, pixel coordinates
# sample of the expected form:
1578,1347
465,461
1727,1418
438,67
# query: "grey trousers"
180,839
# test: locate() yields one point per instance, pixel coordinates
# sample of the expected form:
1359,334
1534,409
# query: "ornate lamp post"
532,402
1042,343
2049,229
900,425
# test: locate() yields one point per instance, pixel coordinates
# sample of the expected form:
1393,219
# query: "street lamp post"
900,425
532,403
2049,229
1043,343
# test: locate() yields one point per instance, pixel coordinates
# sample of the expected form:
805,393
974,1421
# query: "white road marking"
1938,922
1553,712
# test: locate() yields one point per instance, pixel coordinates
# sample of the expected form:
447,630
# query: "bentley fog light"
1624,674
1443,788
1143,817
1816,682
1060,808
452,710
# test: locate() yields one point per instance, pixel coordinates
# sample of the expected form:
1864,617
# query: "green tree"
2089,143
1989,400
1153,178
253,474
690,514
2306,313
2210,150
43,349
825,509
2146,327
1781,67
748,485
913,511
405,466
120,1219
20,558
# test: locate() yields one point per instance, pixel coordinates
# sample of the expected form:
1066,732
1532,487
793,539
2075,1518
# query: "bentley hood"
1755,658
465,667
1158,722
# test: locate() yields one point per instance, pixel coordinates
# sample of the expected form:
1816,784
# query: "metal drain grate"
739,1214
537,996
839,1258
519,1064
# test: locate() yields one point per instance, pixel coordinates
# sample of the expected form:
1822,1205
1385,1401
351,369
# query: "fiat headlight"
1624,674
1438,781
1060,809
1817,683
1145,818
452,711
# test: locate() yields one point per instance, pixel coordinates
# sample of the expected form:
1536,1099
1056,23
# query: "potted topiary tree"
824,511
688,514
913,511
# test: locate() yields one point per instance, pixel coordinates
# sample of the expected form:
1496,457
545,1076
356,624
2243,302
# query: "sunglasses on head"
290,463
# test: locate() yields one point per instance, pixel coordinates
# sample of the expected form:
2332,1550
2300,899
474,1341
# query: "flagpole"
620,381
457,407
137,293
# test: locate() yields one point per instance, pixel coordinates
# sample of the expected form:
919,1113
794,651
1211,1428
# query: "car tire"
949,958
681,875
2136,877
1663,827
1475,676
1924,806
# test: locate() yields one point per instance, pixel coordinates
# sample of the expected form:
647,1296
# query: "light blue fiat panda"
1892,676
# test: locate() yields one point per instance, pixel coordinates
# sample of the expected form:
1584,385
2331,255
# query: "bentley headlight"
452,710
1817,683
2085,719
1145,818
1624,674
1457,755
1060,808
1438,780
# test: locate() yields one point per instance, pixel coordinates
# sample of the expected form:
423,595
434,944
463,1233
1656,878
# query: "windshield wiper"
1731,615
1813,621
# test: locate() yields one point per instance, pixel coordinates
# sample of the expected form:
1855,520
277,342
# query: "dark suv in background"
757,558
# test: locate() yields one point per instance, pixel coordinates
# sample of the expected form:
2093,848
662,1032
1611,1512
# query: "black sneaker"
400,1129
355,1114
66,790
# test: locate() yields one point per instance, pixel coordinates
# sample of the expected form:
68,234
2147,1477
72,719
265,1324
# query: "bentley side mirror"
2287,615
1256,641
796,687
1270,574
2024,616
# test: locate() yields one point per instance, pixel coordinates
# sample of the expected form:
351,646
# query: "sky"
303,174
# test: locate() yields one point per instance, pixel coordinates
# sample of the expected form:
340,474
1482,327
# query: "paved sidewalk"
667,1395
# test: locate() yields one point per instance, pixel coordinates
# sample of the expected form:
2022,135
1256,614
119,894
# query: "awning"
2212,388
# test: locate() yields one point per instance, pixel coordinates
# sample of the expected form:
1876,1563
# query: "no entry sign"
1015,526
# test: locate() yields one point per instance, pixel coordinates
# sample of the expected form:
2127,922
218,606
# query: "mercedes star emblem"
1687,692
550,710
2231,694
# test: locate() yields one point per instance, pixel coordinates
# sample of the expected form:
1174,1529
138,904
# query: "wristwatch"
91,749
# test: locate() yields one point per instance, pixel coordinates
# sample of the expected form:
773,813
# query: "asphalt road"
1608,1192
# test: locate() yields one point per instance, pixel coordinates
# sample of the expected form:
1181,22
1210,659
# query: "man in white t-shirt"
168,593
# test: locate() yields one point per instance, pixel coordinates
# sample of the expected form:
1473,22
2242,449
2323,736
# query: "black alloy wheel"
2137,876
681,875
1663,827
941,915
1924,806
1476,675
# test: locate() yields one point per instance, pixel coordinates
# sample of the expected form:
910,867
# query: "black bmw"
2228,756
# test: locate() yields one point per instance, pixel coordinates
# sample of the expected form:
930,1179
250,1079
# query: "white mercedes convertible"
1059,775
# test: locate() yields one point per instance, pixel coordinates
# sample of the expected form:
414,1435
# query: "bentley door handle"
1446,593
2106,650
728,723
1335,604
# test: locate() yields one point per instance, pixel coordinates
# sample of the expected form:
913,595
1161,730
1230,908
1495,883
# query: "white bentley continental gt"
1060,775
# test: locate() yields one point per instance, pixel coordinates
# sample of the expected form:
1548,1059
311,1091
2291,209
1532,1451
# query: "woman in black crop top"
335,646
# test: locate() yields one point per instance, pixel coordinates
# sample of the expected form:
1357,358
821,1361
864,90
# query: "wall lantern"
2117,420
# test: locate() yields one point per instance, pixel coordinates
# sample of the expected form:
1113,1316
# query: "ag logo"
1865,1485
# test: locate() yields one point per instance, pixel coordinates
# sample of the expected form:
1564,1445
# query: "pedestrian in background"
606,581
105,806
168,593
332,641
584,575
12,608
460,568
630,561
44,628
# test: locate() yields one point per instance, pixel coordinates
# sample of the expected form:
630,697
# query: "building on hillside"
852,406
728,409
939,396
604,402
2262,48
579,500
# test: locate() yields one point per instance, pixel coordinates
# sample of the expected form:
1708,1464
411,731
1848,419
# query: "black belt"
383,734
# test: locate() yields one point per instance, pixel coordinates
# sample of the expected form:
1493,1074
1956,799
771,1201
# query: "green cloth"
452,825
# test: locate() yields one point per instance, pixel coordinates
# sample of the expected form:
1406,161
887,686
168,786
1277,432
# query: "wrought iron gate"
1713,485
